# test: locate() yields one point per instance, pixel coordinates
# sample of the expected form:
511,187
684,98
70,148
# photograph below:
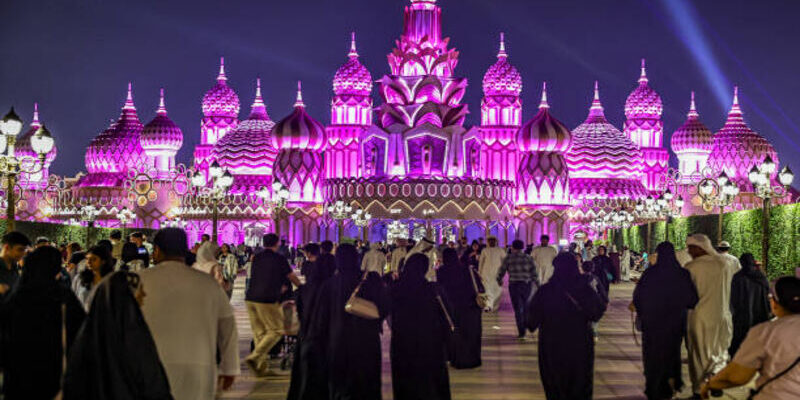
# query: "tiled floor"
509,370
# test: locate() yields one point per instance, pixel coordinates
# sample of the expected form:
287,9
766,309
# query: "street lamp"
396,230
124,216
11,165
340,211
89,214
759,176
717,192
361,219
275,201
220,182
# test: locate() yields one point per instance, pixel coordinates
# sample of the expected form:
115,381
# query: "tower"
161,139
692,144
220,116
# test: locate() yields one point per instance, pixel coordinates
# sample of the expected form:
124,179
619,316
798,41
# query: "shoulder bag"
777,376
359,306
481,298
446,314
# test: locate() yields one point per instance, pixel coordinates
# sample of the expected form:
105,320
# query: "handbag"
754,392
359,306
481,298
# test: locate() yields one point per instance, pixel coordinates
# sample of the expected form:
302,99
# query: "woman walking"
461,286
749,300
99,263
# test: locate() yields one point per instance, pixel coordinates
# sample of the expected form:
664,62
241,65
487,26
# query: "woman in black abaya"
419,335
662,299
749,300
464,349
354,362
562,310
31,328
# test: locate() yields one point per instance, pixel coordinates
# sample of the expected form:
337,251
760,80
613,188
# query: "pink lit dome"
298,130
737,148
221,100
693,135
600,150
643,102
502,79
117,149
544,132
352,78
23,147
161,134
248,150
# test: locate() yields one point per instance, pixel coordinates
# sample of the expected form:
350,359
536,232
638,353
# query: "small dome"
161,133
352,78
600,150
693,135
23,146
117,149
247,150
298,130
643,102
544,132
502,79
221,100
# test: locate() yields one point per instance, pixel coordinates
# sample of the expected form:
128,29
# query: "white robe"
374,261
625,265
710,323
736,264
398,255
489,263
190,319
543,257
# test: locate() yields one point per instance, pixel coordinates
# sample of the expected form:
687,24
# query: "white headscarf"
206,257
702,241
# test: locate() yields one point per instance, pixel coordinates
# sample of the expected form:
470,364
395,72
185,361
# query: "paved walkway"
510,369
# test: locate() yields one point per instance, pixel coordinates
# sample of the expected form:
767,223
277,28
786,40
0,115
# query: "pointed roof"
352,78
161,133
298,130
692,136
502,78
543,103
221,100
596,111
543,132
643,102
258,110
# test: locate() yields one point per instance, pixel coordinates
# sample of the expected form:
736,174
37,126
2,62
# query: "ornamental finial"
299,102
693,108
597,108
543,103
502,53
735,111
259,101
35,122
129,99
353,53
643,76
222,77
162,108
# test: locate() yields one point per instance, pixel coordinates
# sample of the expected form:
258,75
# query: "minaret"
161,139
220,116
692,143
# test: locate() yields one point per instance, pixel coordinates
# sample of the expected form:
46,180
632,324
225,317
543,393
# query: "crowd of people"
130,319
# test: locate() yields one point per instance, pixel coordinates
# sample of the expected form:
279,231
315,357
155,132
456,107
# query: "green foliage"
64,233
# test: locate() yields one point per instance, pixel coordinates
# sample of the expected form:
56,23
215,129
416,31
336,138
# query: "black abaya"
562,310
749,301
662,299
464,349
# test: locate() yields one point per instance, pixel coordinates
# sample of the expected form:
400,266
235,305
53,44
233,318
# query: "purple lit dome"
737,148
502,79
248,150
352,78
544,132
23,146
161,133
600,150
298,130
117,149
221,100
693,135
643,102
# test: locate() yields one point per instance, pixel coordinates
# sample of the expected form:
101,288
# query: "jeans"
519,292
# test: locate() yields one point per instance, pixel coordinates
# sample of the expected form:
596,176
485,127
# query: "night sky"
75,57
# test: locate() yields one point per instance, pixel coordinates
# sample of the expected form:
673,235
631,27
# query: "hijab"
751,271
41,268
666,257
206,257
566,269
450,258
347,260
412,280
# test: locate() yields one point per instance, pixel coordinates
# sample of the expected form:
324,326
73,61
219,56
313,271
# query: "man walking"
543,256
13,249
270,277
521,275
191,320
724,251
488,265
138,239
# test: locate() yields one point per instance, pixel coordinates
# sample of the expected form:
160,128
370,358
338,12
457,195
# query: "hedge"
742,229
59,233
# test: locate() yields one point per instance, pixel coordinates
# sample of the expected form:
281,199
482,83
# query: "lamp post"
428,215
214,190
760,177
11,165
717,192
361,219
124,216
340,211
275,201
89,214
396,230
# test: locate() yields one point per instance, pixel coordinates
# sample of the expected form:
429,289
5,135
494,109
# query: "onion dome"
352,78
298,130
544,132
117,149
600,150
221,100
502,79
23,147
643,102
693,135
248,150
737,148
161,133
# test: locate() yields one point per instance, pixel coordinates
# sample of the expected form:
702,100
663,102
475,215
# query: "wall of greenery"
742,229
64,233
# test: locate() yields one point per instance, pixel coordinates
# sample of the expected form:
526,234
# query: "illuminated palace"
409,158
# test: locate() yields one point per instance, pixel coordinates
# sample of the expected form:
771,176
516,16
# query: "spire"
129,100
735,114
299,102
162,109
353,53
258,107
643,76
543,104
35,123
693,109
596,110
221,77
502,53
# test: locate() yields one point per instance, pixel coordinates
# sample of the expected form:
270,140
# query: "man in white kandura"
724,249
489,263
543,256
710,327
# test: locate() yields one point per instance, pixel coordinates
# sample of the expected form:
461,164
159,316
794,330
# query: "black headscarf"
450,257
41,267
566,269
416,266
751,271
666,257
347,260
114,355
